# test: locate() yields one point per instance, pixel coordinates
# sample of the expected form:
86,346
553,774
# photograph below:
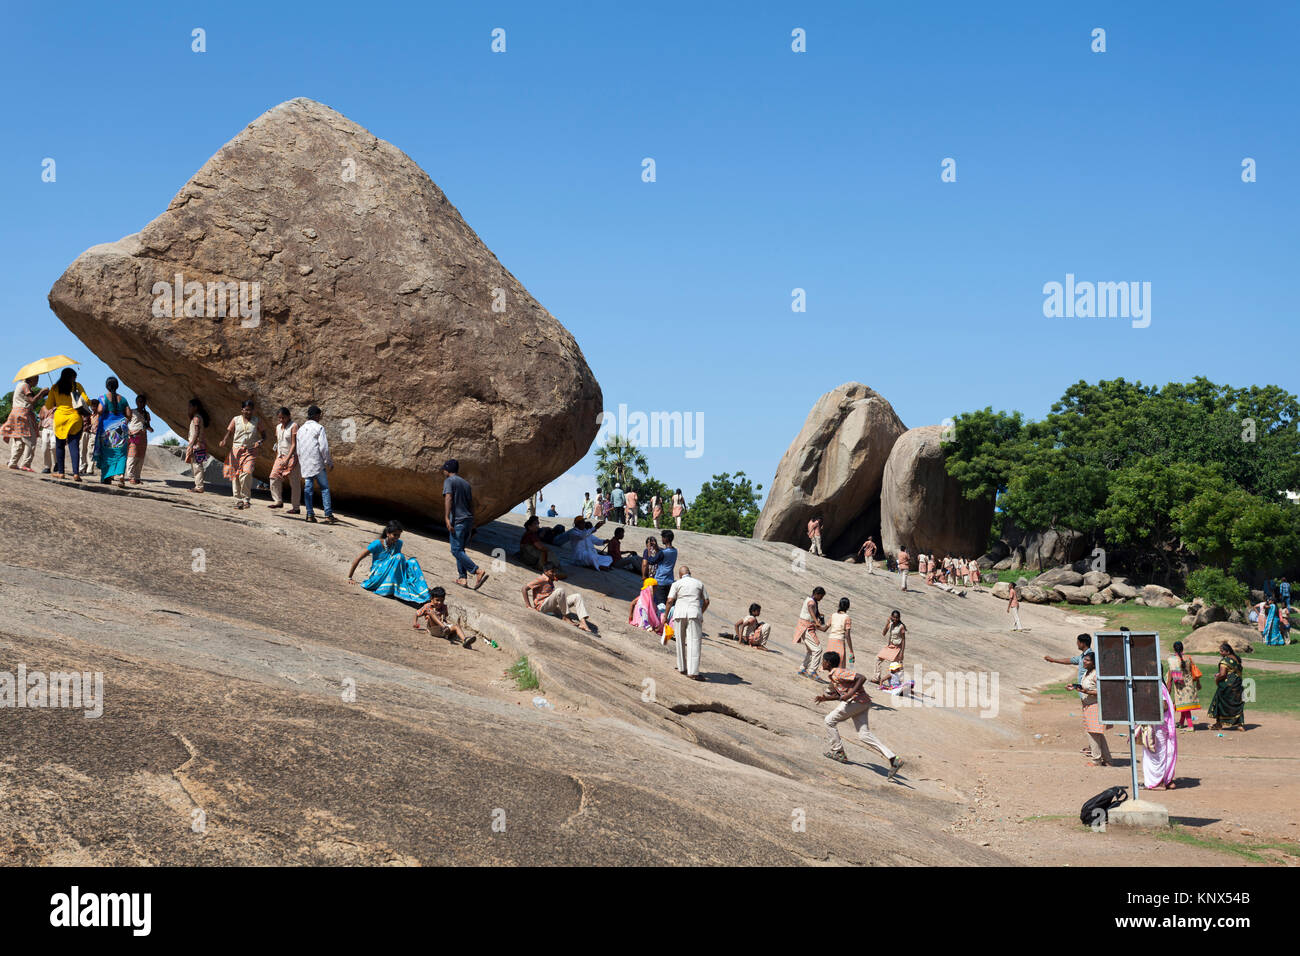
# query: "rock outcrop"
833,468
922,507
1206,640
309,262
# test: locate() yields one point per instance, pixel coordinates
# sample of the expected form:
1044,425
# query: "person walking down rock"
1013,607
68,399
852,703
805,633
196,448
137,443
315,462
114,434
457,498
616,502
679,506
904,565
895,634
868,550
286,463
245,435
21,429
687,602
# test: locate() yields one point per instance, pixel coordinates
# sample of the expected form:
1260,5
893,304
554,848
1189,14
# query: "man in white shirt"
314,460
687,602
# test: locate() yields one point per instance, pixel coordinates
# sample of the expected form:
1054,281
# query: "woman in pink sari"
644,614
1160,747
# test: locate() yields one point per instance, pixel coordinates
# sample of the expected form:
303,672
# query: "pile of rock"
1200,614
1066,584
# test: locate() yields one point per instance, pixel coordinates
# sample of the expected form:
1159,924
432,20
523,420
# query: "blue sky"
775,170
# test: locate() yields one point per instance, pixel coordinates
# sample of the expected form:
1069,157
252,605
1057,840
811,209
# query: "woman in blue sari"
392,574
1271,629
112,438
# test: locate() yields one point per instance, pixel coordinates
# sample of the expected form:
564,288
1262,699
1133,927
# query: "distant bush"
172,442
1215,586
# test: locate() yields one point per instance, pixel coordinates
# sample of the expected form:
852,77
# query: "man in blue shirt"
458,505
1284,592
1084,643
664,568
617,500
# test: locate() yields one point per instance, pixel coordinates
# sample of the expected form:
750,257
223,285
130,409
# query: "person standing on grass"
286,463
315,462
458,506
687,602
1013,607
853,703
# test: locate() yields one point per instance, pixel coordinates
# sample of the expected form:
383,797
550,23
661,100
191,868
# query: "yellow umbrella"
44,365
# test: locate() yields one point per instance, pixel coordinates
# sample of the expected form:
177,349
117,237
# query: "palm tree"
616,458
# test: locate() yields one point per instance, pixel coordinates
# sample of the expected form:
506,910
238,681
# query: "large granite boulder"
1062,575
1206,640
1156,595
833,468
364,292
922,507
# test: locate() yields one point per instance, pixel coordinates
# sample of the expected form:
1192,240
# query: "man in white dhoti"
584,541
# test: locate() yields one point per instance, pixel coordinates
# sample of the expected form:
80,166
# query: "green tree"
984,448
725,505
6,406
1217,587
618,461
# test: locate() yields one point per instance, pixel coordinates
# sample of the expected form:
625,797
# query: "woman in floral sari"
392,574
114,435
1227,706
1183,681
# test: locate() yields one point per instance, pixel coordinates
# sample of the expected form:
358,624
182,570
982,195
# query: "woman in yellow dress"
69,402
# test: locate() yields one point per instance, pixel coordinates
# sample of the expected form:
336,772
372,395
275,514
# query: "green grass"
1275,692
1059,690
522,673
1263,652
1136,617
1178,833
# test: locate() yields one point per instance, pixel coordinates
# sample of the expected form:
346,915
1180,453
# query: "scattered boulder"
1206,640
922,507
1076,595
1033,594
1097,579
834,467
1122,589
1153,595
1062,575
1048,548
1002,590
1209,614
366,294
1097,598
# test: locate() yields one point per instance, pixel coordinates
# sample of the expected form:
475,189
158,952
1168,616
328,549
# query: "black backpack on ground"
1102,802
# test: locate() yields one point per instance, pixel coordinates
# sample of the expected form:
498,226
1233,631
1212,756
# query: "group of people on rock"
1180,693
624,507
73,432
